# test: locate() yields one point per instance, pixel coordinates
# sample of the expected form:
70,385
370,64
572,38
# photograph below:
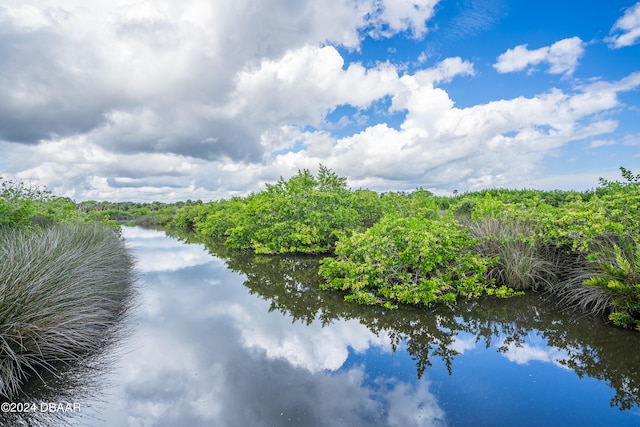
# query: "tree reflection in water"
587,345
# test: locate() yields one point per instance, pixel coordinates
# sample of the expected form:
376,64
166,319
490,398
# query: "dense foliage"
419,248
298,215
305,214
24,204
409,260
133,213
412,247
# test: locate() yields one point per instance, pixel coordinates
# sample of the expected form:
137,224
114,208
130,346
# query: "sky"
169,100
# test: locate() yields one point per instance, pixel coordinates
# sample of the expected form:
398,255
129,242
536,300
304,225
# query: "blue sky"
204,99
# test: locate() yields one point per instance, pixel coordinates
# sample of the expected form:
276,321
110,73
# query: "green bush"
412,260
406,247
16,203
618,274
301,214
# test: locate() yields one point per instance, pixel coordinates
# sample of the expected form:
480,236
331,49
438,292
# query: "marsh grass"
63,293
522,263
604,281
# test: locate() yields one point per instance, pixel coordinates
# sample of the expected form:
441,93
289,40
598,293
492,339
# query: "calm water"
251,341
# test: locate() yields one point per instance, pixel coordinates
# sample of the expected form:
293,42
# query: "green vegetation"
27,205
305,214
409,260
65,283
417,248
618,278
142,214
62,290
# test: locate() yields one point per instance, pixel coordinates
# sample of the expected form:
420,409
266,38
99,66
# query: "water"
251,341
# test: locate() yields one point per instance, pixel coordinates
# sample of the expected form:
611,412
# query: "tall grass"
605,281
63,293
522,263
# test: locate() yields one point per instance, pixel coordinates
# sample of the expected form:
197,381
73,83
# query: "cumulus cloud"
182,80
446,70
271,93
562,57
626,30
491,144
403,15
71,67
171,100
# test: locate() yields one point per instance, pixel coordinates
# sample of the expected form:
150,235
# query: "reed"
63,293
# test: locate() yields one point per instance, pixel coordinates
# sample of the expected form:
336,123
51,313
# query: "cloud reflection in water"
205,355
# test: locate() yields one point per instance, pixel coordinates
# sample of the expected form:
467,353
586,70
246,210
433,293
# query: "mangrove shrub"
409,260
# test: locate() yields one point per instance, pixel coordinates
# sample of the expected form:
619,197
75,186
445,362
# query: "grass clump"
63,293
522,263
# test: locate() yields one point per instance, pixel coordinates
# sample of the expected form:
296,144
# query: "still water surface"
251,341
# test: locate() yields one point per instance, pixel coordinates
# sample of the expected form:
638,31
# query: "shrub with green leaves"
412,260
301,214
397,247
26,204
17,202
619,275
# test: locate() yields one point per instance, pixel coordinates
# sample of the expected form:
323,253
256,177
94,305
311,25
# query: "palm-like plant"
619,275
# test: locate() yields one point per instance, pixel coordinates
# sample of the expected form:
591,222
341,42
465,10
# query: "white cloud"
519,58
493,144
26,17
437,146
405,15
271,93
173,61
626,30
535,349
601,143
171,100
562,57
446,70
632,139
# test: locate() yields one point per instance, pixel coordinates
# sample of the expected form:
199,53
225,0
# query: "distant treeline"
143,214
